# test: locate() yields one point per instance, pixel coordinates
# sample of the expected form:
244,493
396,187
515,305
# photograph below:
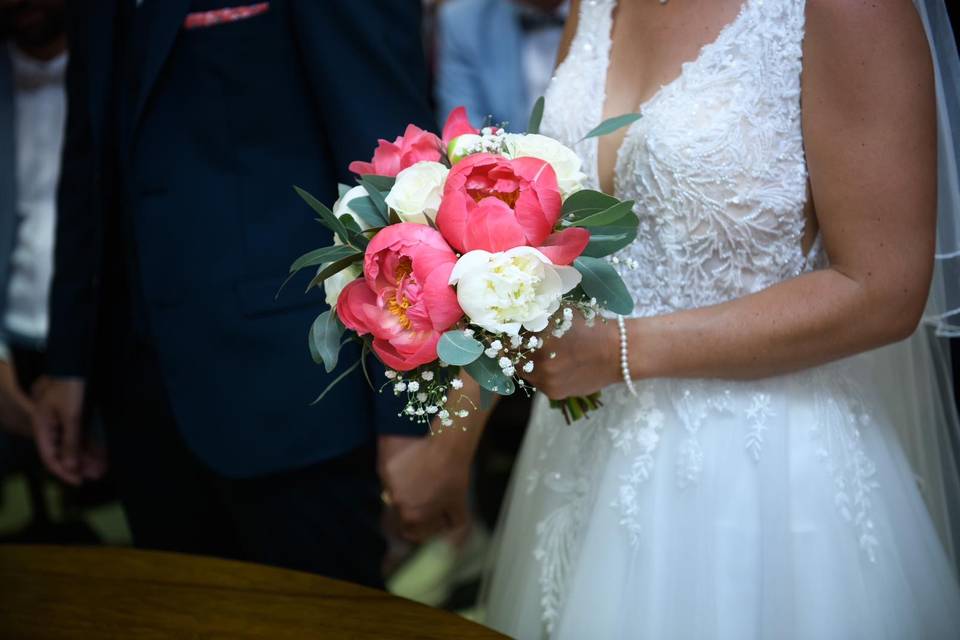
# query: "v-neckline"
656,94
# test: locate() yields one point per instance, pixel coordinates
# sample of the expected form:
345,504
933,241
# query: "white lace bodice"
716,163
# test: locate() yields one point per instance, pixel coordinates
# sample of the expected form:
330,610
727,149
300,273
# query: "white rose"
333,285
565,162
503,291
416,194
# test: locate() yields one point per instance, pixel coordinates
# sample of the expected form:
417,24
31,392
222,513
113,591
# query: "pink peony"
404,299
390,158
494,204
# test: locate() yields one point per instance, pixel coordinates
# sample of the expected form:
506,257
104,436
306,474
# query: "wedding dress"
780,508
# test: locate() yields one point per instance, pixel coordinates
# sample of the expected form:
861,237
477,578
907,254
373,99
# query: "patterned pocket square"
201,19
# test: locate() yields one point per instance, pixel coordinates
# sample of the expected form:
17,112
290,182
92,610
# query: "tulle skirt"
776,509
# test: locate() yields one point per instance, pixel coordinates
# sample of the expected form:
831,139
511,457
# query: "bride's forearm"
810,320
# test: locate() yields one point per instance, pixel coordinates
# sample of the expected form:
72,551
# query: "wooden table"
100,592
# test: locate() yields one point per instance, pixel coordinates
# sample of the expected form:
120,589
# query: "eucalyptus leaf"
612,124
376,196
607,216
601,281
319,256
608,240
324,339
586,202
486,399
368,212
458,349
327,218
336,381
536,116
489,376
381,183
332,268
342,189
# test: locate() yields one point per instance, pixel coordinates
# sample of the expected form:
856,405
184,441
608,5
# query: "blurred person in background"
189,121
33,61
496,57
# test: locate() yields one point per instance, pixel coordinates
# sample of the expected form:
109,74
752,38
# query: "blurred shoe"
438,567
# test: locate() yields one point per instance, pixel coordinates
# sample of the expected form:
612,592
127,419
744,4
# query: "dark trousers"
323,519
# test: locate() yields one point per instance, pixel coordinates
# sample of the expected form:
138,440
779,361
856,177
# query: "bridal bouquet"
458,253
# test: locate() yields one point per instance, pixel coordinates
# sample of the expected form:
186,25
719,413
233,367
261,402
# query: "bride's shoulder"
863,20
857,37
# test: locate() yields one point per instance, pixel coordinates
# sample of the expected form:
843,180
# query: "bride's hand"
585,360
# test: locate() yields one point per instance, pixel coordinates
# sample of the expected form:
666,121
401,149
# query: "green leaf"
376,196
608,240
586,202
332,268
536,116
363,362
368,212
336,381
357,239
606,216
327,218
612,124
457,349
324,339
381,183
489,376
601,281
319,256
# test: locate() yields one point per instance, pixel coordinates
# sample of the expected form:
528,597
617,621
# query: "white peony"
416,194
333,285
565,162
503,291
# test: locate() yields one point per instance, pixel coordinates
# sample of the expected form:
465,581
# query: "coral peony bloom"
404,299
492,203
390,158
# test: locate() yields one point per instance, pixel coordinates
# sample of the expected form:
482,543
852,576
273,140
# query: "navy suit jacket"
227,118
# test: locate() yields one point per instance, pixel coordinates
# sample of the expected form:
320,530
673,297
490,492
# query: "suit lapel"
164,19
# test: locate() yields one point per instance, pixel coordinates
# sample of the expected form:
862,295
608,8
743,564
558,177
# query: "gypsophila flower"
463,413
427,375
533,343
490,352
509,371
432,408
447,423
468,333
504,362
409,410
413,386
567,313
400,387
528,366
516,342
419,411
497,345
421,397
443,414
456,383
390,374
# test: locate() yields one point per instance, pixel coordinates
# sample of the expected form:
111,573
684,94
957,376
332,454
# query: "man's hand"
16,409
58,430
426,482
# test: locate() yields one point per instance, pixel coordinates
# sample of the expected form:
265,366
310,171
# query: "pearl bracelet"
624,361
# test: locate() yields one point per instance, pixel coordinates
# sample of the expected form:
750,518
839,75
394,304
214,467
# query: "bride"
743,479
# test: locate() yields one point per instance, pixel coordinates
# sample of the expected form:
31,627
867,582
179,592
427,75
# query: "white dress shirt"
39,116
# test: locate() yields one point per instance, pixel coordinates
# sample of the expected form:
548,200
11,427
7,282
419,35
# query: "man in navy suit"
188,123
